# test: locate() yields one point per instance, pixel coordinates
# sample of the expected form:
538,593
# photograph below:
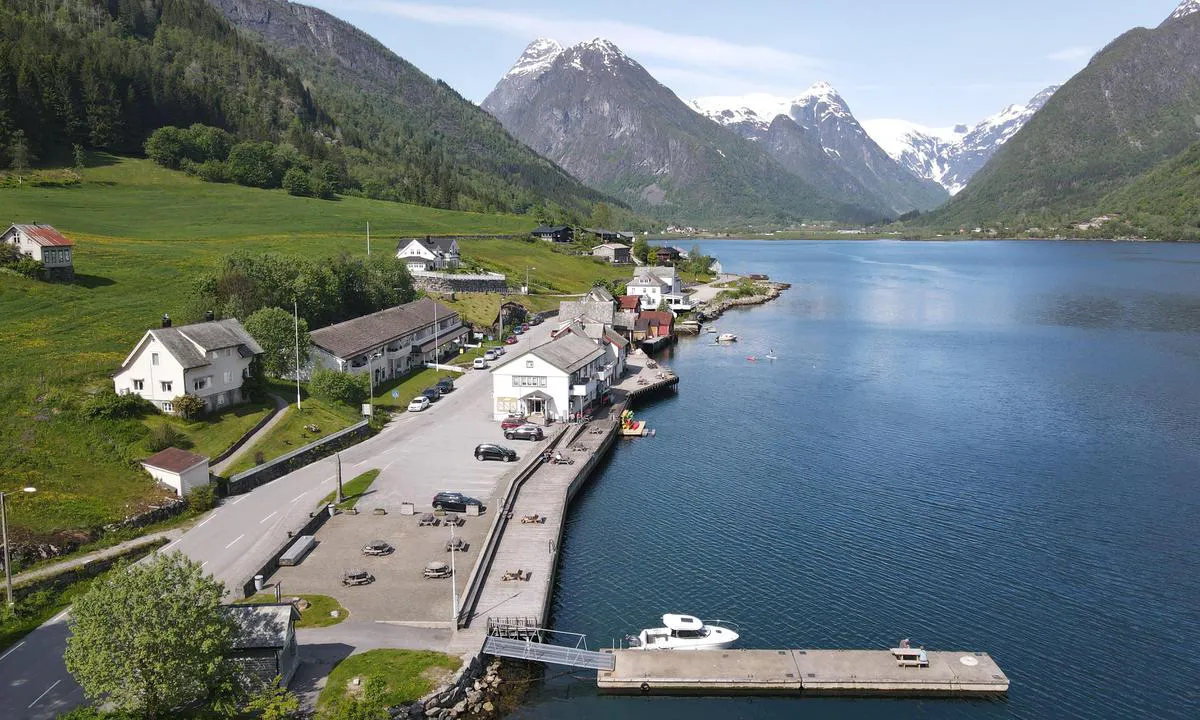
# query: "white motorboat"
726,337
684,632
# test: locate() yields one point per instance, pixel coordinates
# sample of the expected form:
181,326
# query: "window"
138,385
529,363
529,381
202,383
168,407
221,399
153,358
228,376
166,386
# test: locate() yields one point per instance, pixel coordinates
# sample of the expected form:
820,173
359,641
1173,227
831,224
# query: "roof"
663,272
658,317
649,280
444,245
259,626
615,337
587,310
629,302
350,338
599,293
181,342
668,250
549,229
611,246
681,622
174,460
568,352
44,235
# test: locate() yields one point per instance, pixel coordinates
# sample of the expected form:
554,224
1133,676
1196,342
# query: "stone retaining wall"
246,481
474,692
451,283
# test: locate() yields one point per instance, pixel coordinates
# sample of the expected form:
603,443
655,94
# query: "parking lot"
438,455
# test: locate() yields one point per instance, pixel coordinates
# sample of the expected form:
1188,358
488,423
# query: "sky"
934,62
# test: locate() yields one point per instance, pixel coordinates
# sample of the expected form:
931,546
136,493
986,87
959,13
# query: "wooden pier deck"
799,672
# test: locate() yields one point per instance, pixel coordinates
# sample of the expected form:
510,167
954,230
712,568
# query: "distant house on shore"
390,342
209,360
429,253
554,233
666,255
653,324
615,253
264,643
46,245
553,381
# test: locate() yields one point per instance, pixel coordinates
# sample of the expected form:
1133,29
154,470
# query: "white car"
418,404
489,355
499,350
479,364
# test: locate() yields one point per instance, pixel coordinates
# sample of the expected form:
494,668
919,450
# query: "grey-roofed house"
615,253
429,253
209,360
555,381
390,343
554,233
264,643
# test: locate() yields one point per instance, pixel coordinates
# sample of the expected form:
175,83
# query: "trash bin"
258,583
331,508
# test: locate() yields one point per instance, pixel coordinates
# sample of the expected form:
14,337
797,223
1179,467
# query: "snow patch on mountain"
762,108
1187,7
537,58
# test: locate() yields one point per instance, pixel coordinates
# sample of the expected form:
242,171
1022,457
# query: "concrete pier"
799,672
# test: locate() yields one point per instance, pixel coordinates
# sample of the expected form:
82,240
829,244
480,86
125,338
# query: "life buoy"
645,688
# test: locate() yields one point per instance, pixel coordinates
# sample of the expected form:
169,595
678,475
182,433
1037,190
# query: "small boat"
726,337
684,632
710,329
771,354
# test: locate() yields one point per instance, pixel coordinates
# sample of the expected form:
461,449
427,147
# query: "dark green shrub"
339,387
108,405
295,181
202,499
166,435
188,406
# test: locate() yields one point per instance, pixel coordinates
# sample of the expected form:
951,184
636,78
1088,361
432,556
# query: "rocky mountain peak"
1187,7
537,58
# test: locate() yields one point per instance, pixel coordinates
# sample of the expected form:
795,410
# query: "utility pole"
340,497
368,239
453,582
4,536
296,319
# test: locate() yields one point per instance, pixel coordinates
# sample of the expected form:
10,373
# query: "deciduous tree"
275,331
150,639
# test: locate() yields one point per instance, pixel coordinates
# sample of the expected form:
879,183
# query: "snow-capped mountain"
952,156
816,136
1187,7
599,115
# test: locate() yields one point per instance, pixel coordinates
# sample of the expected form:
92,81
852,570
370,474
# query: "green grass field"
352,491
408,388
292,433
212,435
406,675
317,615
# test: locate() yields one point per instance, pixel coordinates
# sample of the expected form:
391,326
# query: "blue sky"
935,62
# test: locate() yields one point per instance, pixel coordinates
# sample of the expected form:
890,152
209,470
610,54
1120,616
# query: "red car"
512,421
525,327
510,340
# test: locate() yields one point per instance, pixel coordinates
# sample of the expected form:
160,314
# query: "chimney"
166,321
209,316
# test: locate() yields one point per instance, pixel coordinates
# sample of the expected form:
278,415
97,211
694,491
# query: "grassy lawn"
408,388
481,309
291,432
317,615
555,272
406,675
213,434
466,358
352,491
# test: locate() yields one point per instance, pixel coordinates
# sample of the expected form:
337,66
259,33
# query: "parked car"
432,393
510,340
499,350
489,355
512,421
479,364
518,331
418,404
524,327
524,432
453,501
446,384
535,320
487,451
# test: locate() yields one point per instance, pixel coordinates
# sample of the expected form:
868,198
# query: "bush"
295,181
29,267
202,498
213,171
167,435
253,164
339,387
167,146
188,406
108,405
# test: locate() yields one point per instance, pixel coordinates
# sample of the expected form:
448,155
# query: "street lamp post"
453,582
340,497
527,269
371,372
296,321
4,534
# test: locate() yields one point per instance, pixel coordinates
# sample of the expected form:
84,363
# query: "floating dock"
799,672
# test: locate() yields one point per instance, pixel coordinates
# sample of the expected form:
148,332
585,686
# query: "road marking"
12,650
210,517
385,467
235,502
39,697
171,544
239,537
299,496
61,615
260,522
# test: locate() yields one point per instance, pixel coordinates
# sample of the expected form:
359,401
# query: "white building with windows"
391,342
180,470
554,381
209,360
429,253
657,283
46,245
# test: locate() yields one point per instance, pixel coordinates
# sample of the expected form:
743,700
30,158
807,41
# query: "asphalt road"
418,454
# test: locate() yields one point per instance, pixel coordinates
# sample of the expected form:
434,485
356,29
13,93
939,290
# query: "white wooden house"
429,253
46,245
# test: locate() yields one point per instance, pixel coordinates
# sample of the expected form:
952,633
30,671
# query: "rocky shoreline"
714,310
479,691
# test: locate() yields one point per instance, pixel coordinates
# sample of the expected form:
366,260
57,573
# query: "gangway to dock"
522,641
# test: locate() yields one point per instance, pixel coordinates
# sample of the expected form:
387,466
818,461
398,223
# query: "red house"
653,324
630,303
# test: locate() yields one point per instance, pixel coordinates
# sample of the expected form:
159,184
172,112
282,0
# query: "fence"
298,458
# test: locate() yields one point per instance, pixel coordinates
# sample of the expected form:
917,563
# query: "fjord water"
980,446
